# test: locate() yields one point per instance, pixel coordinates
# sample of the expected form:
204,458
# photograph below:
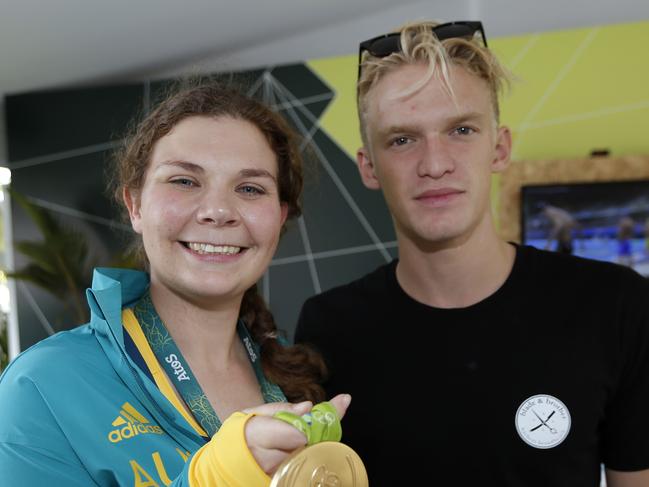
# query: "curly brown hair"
297,369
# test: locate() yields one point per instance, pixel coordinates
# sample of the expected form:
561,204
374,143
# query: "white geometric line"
79,214
57,156
524,50
331,253
255,86
268,87
270,92
36,309
306,242
352,204
309,255
588,115
332,174
303,101
555,84
559,78
308,137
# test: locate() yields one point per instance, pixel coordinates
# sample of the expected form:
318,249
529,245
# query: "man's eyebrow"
465,117
452,121
398,129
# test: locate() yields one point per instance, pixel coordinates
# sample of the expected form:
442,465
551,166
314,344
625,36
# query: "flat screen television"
604,221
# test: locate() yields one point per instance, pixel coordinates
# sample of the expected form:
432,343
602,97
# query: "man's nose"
436,159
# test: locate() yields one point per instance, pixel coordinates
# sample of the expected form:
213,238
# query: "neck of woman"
206,336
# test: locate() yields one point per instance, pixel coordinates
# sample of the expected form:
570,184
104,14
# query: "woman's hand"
271,440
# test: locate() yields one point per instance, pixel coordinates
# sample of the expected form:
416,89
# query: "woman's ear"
131,199
284,210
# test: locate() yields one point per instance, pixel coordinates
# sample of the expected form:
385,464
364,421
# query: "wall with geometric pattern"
577,90
60,143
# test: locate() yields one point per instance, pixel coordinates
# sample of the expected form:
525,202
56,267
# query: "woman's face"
209,211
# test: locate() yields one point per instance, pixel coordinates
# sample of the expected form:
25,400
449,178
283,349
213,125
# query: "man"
473,361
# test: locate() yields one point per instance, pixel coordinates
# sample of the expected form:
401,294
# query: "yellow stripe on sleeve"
133,328
226,459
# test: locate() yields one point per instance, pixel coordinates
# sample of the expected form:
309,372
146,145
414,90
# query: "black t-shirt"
536,385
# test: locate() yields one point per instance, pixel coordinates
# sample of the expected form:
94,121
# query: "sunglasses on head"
386,44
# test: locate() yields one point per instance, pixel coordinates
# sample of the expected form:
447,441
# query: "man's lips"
440,194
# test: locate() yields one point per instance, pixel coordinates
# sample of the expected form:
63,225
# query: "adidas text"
131,430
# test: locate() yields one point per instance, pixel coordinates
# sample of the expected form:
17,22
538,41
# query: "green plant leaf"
35,274
38,252
59,263
43,219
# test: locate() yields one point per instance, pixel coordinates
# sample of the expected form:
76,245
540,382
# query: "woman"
136,397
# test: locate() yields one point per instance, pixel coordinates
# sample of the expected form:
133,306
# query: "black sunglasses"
386,44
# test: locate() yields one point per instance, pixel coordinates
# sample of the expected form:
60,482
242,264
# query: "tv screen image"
604,221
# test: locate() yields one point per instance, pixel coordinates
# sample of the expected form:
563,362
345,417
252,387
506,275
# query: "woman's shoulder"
54,360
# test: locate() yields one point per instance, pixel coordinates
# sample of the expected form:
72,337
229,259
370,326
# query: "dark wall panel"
44,123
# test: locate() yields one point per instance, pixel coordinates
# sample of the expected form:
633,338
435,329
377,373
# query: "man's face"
433,157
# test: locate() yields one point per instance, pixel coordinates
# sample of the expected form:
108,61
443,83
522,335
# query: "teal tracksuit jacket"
77,402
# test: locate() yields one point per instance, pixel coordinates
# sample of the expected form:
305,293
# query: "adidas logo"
131,423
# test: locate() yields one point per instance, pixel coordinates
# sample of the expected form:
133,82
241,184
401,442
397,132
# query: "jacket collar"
113,289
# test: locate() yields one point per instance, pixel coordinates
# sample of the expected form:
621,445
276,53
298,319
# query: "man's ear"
132,201
367,169
503,150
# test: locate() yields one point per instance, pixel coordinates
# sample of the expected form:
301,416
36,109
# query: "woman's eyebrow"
256,173
186,165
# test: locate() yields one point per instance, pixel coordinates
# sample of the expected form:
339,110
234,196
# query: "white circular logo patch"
542,421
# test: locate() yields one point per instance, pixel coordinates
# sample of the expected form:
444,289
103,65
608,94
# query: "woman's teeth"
203,248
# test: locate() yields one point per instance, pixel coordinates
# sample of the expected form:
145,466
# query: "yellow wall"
577,90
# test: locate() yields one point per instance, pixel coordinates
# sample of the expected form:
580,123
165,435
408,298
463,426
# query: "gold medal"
326,464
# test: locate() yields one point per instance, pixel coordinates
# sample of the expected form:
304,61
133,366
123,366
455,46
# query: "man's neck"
457,274
206,337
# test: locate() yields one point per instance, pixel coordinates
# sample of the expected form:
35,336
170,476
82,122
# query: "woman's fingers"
341,403
270,441
271,433
271,408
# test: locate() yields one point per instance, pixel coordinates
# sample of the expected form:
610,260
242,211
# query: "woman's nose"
217,211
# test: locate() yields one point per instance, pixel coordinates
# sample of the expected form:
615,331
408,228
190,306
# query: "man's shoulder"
339,311
592,276
355,294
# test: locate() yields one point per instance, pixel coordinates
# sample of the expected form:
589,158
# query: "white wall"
338,39
502,18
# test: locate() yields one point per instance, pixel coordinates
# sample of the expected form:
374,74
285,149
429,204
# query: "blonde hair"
419,45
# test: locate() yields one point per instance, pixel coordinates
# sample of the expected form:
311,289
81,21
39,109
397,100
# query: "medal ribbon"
181,375
320,424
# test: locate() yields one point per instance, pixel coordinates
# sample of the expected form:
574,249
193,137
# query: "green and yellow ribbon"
321,424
